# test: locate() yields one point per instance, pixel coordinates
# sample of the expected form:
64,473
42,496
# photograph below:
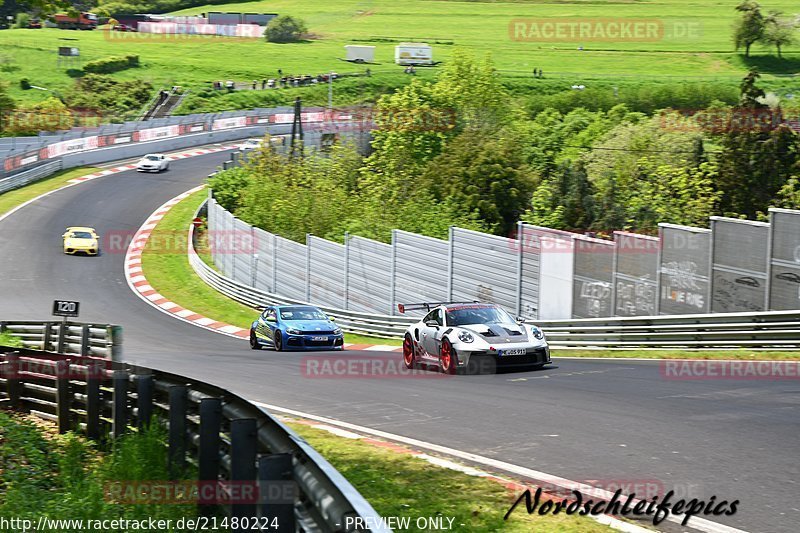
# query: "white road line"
695,522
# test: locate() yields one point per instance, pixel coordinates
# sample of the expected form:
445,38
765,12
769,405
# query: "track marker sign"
65,308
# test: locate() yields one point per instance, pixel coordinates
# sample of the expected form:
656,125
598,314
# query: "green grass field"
695,43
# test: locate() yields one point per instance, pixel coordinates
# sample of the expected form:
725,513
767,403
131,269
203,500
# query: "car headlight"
465,336
537,333
292,331
337,331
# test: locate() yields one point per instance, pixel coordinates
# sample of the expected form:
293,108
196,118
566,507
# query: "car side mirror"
65,235
520,320
332,318
431,323
271,319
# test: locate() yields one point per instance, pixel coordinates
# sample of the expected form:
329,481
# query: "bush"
24,84
285,29
111,64
23,19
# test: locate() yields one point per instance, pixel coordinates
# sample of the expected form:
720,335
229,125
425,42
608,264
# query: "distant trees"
753,27
285,29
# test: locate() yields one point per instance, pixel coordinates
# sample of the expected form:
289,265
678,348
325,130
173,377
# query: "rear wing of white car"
427,305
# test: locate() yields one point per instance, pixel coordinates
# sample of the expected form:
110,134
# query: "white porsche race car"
469,337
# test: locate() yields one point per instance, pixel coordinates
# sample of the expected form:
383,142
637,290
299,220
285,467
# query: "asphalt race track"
583,420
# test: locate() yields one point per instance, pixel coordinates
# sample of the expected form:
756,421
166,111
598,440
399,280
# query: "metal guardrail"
227,438
29,176
351,321
98,340
772,329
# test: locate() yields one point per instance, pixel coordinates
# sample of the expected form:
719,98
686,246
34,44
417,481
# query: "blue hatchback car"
295,327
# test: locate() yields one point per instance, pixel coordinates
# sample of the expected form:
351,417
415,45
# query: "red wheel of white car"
408,352
448,360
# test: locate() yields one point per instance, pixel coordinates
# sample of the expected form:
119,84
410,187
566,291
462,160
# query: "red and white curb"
131,166
142,288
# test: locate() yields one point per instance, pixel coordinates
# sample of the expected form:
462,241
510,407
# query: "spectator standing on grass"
263,83
368,73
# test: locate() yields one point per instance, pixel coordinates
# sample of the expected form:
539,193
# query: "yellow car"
80,240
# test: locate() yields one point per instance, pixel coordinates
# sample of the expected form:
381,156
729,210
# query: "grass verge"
12,199
170,273
67,476
7,339
402,485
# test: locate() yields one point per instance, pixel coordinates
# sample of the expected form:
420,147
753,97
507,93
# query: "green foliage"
24,84
748,29
7,339
108,65
48,115
564,200
64,476
779,31
483,173
285,29
23,19
117,98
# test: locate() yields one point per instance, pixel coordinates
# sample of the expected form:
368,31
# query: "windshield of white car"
478,315
302,313
81,235
152,157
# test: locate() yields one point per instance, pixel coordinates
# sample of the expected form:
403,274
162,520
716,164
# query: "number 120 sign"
65,308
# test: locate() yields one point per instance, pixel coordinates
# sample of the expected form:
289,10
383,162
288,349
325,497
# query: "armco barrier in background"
96,340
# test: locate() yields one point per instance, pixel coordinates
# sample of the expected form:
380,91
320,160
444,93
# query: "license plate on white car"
319,338
513,351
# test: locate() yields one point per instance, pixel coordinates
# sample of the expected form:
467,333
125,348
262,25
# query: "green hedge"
111,64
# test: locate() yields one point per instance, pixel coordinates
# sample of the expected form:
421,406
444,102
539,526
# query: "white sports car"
153,163
457,337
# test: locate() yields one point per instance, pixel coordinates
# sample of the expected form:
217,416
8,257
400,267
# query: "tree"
749,28
778,32
48,115
759,154
483,174
563,201
285,29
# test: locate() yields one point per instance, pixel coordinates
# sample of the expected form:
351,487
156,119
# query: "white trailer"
359,54
413,54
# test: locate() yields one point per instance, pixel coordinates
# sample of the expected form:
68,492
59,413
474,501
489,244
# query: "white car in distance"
153,163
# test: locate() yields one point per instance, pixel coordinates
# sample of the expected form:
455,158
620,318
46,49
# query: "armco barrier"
29,176
776,329
98,340
229,440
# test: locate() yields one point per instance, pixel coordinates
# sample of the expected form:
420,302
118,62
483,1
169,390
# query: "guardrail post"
94,373
177,430
63,396
46,336
119,409
347,270
308,267
114,342
520,256
13,381
62,336
208,459
85,340
243,465
393,276
274,478
144,400
450,265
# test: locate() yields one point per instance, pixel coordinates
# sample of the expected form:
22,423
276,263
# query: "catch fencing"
541,273
231,442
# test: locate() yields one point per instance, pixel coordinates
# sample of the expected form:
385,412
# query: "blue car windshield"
478,315
302,313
